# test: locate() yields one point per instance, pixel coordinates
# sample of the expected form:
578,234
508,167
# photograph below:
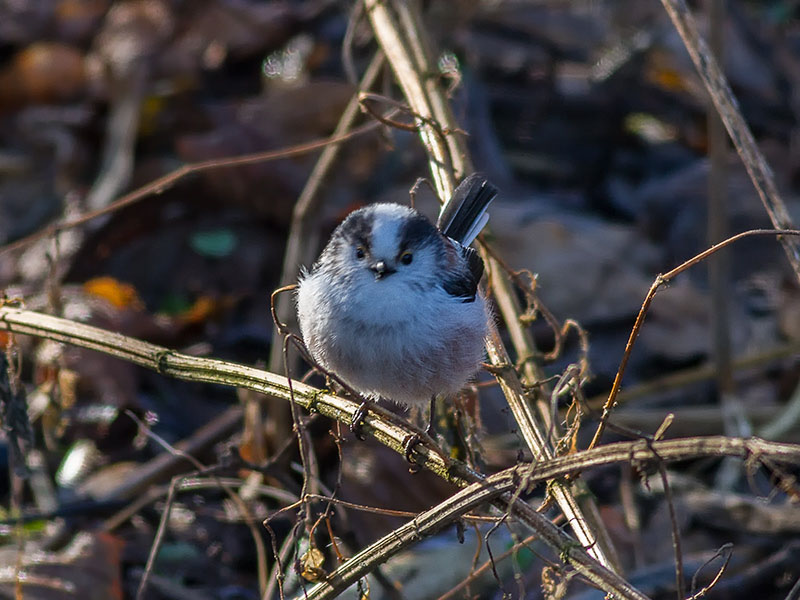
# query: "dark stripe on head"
354,231
357,228
417,231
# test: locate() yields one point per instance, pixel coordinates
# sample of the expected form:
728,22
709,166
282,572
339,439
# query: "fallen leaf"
119,294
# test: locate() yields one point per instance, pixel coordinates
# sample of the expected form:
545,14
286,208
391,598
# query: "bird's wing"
463,284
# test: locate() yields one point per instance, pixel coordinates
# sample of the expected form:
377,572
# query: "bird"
392,305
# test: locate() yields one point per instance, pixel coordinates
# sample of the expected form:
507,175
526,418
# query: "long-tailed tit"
392,305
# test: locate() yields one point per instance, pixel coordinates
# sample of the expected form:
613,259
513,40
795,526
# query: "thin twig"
382,511
583,517
281,556
261,555
478,571
190,483
494,487
157,539
728,108
680,585
659,281
167,464
302,243
717,229
687,377
366,101
304,446
726,550
158,186
390,433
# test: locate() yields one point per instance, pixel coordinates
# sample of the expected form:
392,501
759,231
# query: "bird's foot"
411,440
429,430
497,370
358,420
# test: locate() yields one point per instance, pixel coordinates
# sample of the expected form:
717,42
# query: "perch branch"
181,366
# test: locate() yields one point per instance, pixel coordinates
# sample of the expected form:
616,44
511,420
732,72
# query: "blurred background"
590,118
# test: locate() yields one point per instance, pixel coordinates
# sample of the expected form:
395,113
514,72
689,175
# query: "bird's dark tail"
463,217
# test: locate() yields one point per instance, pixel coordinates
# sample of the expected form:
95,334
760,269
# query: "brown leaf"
312,562
41,73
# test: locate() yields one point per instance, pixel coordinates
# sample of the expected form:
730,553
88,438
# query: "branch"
391,434
399,30
181,366
497,488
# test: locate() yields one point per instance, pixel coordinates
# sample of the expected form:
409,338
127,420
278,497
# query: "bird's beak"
381,269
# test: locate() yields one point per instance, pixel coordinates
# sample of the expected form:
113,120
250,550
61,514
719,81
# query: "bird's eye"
360,252
406,257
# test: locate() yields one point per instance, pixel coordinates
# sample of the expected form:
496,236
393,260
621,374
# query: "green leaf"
215,243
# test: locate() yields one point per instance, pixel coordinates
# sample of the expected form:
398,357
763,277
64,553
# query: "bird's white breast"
397,339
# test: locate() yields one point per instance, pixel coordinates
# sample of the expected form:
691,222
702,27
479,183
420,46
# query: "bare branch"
496,489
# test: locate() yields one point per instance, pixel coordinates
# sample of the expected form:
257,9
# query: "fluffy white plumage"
391,306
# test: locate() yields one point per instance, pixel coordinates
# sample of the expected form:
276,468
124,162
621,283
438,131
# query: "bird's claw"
411,440
358,420
430,430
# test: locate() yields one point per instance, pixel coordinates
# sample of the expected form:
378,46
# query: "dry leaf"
312,562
